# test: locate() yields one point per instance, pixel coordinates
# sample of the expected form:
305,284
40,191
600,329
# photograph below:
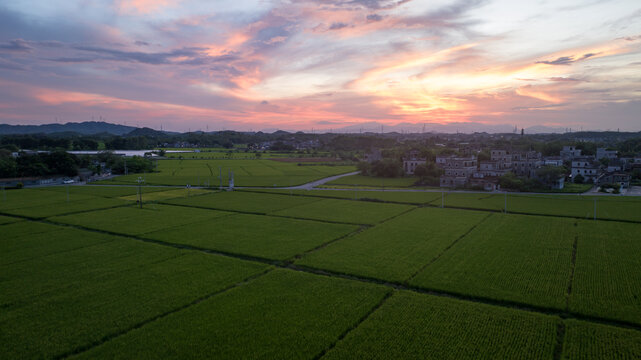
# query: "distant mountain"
451,128
84,128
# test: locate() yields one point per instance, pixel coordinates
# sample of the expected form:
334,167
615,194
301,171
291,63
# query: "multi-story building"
570,152
587,167
458,170
603,153
526,163
553,161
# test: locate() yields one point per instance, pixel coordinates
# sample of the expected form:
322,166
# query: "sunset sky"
298,65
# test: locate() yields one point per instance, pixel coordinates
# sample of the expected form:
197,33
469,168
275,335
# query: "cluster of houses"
468,171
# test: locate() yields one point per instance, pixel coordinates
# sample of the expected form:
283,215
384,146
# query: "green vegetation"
607,281
244,201
260,236
585,341
413,326
104,191
375,182
76,298
36,203
355,212
414,197
517,258
135,221
315,274
246,173
282,315
7,220
396,249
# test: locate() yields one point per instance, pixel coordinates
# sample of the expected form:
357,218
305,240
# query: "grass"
414,326
254,235
282,315
516,258
397,249
134,221
585,341
607,281
246,173
355,212
243,201
77,298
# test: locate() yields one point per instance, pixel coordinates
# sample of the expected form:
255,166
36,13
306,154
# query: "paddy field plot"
8,220
32,198
135,221
104,191
254,235
396,249
76,299
418,326
584,341
414,197
244,201
524,259
165,195
607,274
25,228
578,206
376,182
246,173
355,212
281,315
29,240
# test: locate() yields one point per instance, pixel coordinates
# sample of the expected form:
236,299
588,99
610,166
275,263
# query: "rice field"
87,272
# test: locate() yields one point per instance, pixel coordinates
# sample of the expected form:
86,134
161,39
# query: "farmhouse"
411,161
587,167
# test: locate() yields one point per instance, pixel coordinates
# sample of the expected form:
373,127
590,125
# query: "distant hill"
84,128
147,132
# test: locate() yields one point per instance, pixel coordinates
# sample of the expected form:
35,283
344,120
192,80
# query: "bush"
19,185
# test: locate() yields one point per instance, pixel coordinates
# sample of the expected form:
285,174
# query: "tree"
579,179
387,168
550,174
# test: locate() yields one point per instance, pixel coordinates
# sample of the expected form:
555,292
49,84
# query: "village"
604,169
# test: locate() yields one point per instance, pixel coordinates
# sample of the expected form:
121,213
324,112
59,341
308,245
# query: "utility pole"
67,186
140,181
505,206
220,176
442,199
594,208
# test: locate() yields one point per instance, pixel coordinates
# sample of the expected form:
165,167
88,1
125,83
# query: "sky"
318,65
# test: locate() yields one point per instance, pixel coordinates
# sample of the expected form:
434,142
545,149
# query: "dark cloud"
566,60
374,17
356,5
141,43
72,59
16,45
5,64
549,106
564,79
338,26
145,58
